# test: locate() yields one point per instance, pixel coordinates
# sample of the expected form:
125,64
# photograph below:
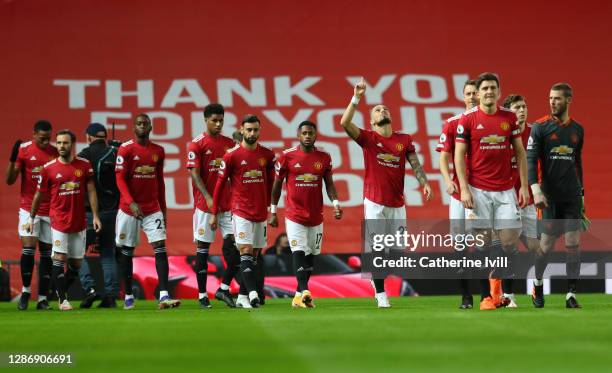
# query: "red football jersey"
446,143
305,173
515,171
30,161
489,155
385,166
140,177
251,175
66,183
206,153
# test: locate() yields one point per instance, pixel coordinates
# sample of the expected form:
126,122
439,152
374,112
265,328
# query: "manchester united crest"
78,173
262,162
155,157
399,147
505,126
574,138
318,165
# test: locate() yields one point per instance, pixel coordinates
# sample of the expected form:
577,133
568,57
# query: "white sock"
242,296
26,289
163,293
130,296
42,297
382,294
298,294
537,282
253,294
202,295
508,295
570,295
223,286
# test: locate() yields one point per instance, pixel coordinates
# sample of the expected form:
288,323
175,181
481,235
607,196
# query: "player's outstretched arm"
351,129
276,193
420,175
93,203
521,160
330,188
460,169
12,171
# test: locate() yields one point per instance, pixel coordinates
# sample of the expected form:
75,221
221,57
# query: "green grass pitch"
351,335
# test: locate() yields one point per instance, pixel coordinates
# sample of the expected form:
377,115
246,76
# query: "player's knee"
45,253
245,249
43,246
158,244
59,257
74,264
572,239
202,247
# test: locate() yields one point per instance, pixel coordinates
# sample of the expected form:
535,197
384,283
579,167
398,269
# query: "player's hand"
15,151
523,197
273,221
427,192
338,213
466,199
360,88
29,226
97,225
451,188
539,199
213,222
136,211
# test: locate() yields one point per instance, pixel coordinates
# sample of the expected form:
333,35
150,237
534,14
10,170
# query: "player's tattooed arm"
413,159
351,129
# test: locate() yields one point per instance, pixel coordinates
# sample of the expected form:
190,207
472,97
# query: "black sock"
483,274
464,285
379,285
259,276
485,288
309,259
509,272
27,265
299,268
45,267
232,260
127,266
161,266
248,274
71,275
59,278
541,262
202,265
508,286
572,267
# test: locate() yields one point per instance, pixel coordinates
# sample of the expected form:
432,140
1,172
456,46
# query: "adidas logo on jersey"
33,158
379,145
208,152
58,176
479,127
136,158
297,165
243,163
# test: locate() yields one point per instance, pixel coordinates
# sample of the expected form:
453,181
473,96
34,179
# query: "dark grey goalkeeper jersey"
554,153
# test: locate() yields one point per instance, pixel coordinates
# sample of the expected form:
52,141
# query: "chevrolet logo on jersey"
215,162
37,169
563,149
69,185
252,174
493,139
144,169
385,157
307,178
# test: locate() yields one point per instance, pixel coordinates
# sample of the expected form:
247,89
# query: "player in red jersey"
385,153
306,168
204,157
28,159
140,179
529,216
66,180
250,170
485,133
446,148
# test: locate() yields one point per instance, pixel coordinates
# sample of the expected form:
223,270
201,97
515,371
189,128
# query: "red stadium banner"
75,63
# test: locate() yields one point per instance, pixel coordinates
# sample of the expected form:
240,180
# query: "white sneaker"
65,306
243,301
509,300
382,300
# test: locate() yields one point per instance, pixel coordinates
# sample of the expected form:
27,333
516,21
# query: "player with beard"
66,180
204,157
250,170
485,134
140,179
556,144
306,168
28,159
385,154
446,148
529,216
